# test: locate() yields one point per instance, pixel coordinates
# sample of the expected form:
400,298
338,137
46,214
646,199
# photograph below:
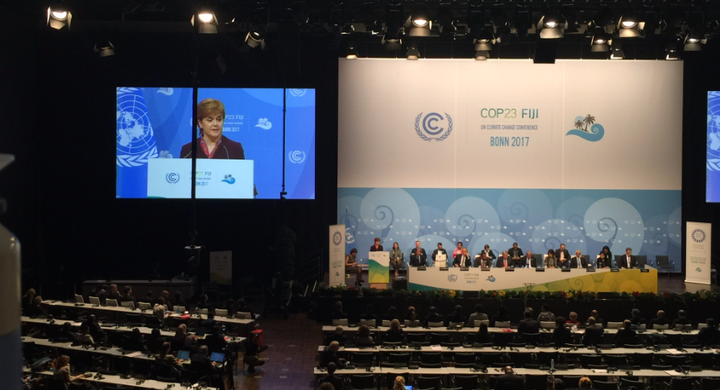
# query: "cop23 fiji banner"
698,249
582,152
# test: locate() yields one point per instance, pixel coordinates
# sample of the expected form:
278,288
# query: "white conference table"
489,349
419,329
130,382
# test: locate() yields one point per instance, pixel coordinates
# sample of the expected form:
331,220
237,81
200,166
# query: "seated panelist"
515,252
503,261
482,261
462,260
578,260
418,256
550,259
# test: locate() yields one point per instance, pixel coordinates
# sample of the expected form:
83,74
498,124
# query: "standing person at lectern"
462,260
396,257
628,260
503,261
488,252
376,246
418,257
515,252
441,251
562,253
212,143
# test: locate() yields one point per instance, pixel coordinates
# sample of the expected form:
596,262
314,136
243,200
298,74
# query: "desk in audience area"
602,280
140,287
129,382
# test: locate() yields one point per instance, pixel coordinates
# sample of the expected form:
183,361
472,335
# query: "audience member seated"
573,320
501,315
708,335
482,336
636,318
166,365
330,355
203,303
127,295
527,324
411,314
363,338
159,310
395,334
242,306
36,310
209,323
252,352
433,316
659,319
154,341
456,316
556,384
101,291
339,314
399,383
148,298
183,340
201,363
546,315
165,295
509,381
84,336
392,314
65,333
333,379
338,335
215,341
370,316
326,386
478,315
27,302
585,383
134,341
598,320
113,293
61,370
681,320
593,333
626,335
561,335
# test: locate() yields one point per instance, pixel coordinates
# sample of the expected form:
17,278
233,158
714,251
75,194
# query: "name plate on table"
443,268
540,269
421,268
509,269
565,270
484,268
464,269
589,269
644,270
615,270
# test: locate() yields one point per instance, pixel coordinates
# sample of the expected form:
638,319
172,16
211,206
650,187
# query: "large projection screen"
586,153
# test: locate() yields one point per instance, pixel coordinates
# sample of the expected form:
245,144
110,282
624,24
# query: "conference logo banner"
587,129
698,249
336,266
430,128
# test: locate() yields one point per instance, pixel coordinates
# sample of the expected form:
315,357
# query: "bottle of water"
10,341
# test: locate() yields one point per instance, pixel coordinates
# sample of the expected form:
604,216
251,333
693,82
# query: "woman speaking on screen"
212,143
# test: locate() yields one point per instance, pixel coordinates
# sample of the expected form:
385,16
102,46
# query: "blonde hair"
399,383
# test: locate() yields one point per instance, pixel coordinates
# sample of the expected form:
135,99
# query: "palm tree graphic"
579,124
589,120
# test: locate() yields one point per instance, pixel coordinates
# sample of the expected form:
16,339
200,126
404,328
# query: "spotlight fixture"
617,52
481,55
630,26
419,23
254,38
352,51
58,17
207,23
485,40
671,51
693,40
105,49
413,53
391,41
600,42
552,26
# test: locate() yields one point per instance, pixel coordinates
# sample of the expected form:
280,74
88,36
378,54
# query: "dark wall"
57,105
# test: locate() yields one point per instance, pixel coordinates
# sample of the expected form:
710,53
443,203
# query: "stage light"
630,26
419,24
693,41
58,17
413,53
105,49
671,51
481,55
552,26
485,40
600,42
391,42
254,39
617,52
351,52
207,22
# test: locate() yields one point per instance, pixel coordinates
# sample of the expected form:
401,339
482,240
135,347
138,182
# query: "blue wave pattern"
595,134
538,220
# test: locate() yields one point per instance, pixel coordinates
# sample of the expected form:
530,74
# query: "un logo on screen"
433,126
135,138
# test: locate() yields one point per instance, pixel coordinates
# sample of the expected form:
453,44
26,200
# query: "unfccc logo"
172,177
296,156
431,127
